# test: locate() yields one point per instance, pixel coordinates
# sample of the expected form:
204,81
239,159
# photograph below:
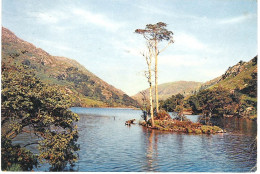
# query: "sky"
209,35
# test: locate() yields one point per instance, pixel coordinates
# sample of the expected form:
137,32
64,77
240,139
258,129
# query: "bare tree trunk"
149,77
210,114
182,115
156,77
150,91
151,99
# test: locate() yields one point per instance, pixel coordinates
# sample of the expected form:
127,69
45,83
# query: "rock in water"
129,122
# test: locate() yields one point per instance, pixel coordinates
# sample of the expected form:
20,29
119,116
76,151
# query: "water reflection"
237,125
151,149
107,145
179,139
201,153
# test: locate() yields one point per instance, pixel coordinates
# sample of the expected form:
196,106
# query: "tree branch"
31,144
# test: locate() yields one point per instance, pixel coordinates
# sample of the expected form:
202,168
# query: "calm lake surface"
107,145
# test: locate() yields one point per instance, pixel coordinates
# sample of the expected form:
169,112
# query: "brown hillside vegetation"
234,77
86,88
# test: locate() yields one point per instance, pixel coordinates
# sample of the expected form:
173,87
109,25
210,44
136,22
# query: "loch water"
108,145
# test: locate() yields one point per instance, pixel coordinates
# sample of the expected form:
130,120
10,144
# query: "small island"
164,122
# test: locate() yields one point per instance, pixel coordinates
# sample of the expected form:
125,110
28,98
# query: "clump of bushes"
184,126
162,115
211,129
198,131
164,122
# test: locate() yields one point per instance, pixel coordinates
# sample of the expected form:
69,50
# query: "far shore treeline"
233,94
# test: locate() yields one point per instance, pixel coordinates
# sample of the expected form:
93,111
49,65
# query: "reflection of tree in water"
237,125
151,150
179,139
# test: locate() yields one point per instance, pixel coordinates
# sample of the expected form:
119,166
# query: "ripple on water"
107,145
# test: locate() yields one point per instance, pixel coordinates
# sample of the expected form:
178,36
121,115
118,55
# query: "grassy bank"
183,126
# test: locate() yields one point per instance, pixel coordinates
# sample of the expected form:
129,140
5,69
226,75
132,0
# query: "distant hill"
166,90
236,77
86,88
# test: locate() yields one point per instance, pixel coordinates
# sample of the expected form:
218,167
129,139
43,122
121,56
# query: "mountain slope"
232,94
88,89
235,77
166,90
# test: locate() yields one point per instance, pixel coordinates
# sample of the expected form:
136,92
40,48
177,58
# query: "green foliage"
27,102
15,167
218,102
15,158
251,85
174,103
235,94
156,32
192,103
58,147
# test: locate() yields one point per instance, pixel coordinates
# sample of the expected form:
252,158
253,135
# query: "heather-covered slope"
86,88
235,77
233,94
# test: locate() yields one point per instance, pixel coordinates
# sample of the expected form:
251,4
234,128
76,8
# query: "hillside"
238,87
166,90
232,94
86,88
235,77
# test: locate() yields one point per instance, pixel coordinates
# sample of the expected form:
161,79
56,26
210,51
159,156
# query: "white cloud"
97,19
187,41
151,9
204,20
187,60
237,19
82,16
49,17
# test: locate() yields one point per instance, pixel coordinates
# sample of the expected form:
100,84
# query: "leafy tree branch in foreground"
29,106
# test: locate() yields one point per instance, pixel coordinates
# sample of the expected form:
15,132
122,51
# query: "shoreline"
107,107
